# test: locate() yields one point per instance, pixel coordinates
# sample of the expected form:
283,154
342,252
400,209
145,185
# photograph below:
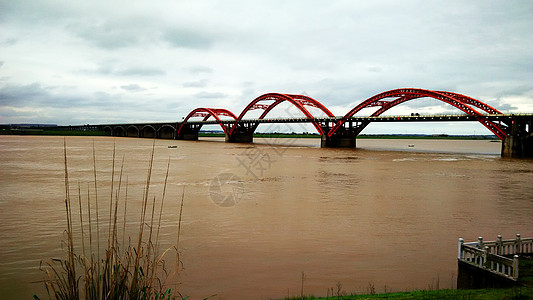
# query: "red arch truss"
273,99
462,102
206,113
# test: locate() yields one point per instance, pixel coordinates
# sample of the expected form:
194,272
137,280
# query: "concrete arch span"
119,131
148,131
166,132
132,131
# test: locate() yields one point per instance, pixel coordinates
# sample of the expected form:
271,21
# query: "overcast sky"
79,62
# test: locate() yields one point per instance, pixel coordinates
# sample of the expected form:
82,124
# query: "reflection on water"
349,216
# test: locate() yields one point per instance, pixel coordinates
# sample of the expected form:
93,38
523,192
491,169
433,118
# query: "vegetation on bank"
130,268
481,294
526,271
52,132
6,130
365,136
430,137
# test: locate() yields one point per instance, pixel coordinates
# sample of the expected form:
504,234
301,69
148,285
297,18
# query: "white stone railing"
491,255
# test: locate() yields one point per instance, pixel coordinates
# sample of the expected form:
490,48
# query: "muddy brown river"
386,215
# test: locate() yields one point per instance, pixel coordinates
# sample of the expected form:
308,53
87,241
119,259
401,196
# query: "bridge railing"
491,255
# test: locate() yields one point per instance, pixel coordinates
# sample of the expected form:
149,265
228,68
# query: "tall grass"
129,271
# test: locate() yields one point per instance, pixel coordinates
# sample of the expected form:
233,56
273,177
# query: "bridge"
514,130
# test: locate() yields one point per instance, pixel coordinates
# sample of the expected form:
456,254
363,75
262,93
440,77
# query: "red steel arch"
300,101
459,101
471,101
207,113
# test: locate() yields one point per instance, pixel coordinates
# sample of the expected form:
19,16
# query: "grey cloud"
422,103
199,83
248,93
106,35
199,69
37,12
9,42
101,106
37,96
111,100
107,26
18,96
374,69
113,32
341,53
210,95
141,72
184,38
1,63
8,112
13,116
109,68
518,90
133,87
506,107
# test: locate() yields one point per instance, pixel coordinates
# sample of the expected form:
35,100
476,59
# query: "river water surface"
384,216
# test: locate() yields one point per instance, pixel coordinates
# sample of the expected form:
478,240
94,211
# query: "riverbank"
368,136
513,293
52,132
7,130
523,291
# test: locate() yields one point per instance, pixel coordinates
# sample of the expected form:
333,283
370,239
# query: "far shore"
47,131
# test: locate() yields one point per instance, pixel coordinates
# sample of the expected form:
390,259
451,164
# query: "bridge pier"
243,133
344,137
188,136
188,132
240,137
519,142
337,141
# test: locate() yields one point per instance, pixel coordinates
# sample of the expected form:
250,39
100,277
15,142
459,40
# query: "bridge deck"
399,118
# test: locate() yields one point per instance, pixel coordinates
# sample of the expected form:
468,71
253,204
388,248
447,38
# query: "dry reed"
126,271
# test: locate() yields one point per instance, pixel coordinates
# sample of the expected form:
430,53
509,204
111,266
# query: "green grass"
53,132
482,294
264,135
429,137
209,134
364,136
287,135
257,135
526,272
